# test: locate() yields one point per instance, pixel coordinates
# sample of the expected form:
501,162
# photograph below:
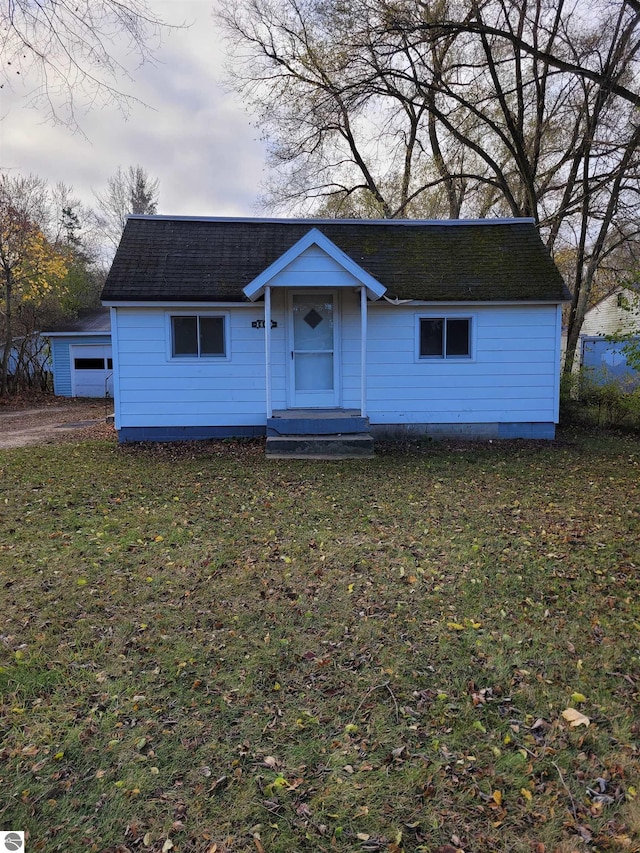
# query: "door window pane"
314,371
313,322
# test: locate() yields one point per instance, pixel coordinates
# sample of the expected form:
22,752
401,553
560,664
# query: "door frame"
292,402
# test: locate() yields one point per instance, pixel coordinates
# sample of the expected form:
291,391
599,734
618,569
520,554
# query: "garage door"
91,371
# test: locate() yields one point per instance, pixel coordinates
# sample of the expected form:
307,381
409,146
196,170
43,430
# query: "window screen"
445,337
196,336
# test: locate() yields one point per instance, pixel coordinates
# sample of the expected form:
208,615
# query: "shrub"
594,397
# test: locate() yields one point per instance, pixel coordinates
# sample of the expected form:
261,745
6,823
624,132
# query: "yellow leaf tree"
30,267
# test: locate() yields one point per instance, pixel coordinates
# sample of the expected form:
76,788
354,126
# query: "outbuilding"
81,356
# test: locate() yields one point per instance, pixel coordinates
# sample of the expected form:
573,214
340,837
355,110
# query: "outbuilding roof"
182,259
96,322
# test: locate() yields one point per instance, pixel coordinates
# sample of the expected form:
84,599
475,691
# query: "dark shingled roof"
96,322
211,260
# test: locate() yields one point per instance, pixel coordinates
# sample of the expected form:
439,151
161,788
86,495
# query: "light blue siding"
61,359
155,390
510,378
314,268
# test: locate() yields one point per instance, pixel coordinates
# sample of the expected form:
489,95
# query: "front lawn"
202,650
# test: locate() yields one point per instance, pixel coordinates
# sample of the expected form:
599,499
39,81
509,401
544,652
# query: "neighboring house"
617,313
81,356
243,327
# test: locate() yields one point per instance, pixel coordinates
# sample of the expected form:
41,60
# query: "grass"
204,649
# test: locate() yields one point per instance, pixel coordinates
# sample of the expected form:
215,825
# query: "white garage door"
92,371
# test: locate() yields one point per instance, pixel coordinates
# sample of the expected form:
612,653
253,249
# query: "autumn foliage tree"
31,268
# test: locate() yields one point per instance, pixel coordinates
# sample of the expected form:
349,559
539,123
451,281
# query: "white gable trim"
255,288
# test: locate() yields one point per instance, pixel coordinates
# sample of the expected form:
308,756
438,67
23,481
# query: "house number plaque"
259,324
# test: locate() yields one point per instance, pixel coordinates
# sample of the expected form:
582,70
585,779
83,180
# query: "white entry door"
313,377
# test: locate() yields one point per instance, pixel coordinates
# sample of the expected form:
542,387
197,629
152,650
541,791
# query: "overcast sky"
194,136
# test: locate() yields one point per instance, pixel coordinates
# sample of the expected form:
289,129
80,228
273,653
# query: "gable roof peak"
314,236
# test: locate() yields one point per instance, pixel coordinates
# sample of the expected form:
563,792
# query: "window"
88,363
197,336
445,337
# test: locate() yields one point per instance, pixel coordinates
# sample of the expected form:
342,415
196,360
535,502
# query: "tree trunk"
8,343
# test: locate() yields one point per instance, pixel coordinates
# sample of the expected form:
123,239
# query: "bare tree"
70,49
494,107
130,191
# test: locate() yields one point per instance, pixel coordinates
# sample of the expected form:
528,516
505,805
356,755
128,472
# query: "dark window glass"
211,335
185,335
109,364
198,336
88,363
457,337
445,337
431,337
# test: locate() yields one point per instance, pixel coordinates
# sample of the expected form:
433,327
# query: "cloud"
192,134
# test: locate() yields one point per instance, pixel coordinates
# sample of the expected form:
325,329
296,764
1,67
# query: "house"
618,313
81,356
245,327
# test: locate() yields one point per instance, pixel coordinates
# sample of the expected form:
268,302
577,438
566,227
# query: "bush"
593,397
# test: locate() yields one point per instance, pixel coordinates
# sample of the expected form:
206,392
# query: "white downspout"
363,351
267,347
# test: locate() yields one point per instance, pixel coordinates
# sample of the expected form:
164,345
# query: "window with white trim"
444,337
198,336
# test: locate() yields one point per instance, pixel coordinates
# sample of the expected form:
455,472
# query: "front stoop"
343,446
317,422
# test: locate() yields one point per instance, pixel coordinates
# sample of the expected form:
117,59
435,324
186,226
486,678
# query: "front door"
313,376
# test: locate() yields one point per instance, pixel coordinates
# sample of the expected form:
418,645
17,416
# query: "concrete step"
354,446
328,423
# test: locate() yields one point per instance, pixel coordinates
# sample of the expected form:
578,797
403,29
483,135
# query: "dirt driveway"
53,419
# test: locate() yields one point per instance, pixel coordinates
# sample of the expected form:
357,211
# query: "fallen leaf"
168,845
575,718
497,797
578,697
